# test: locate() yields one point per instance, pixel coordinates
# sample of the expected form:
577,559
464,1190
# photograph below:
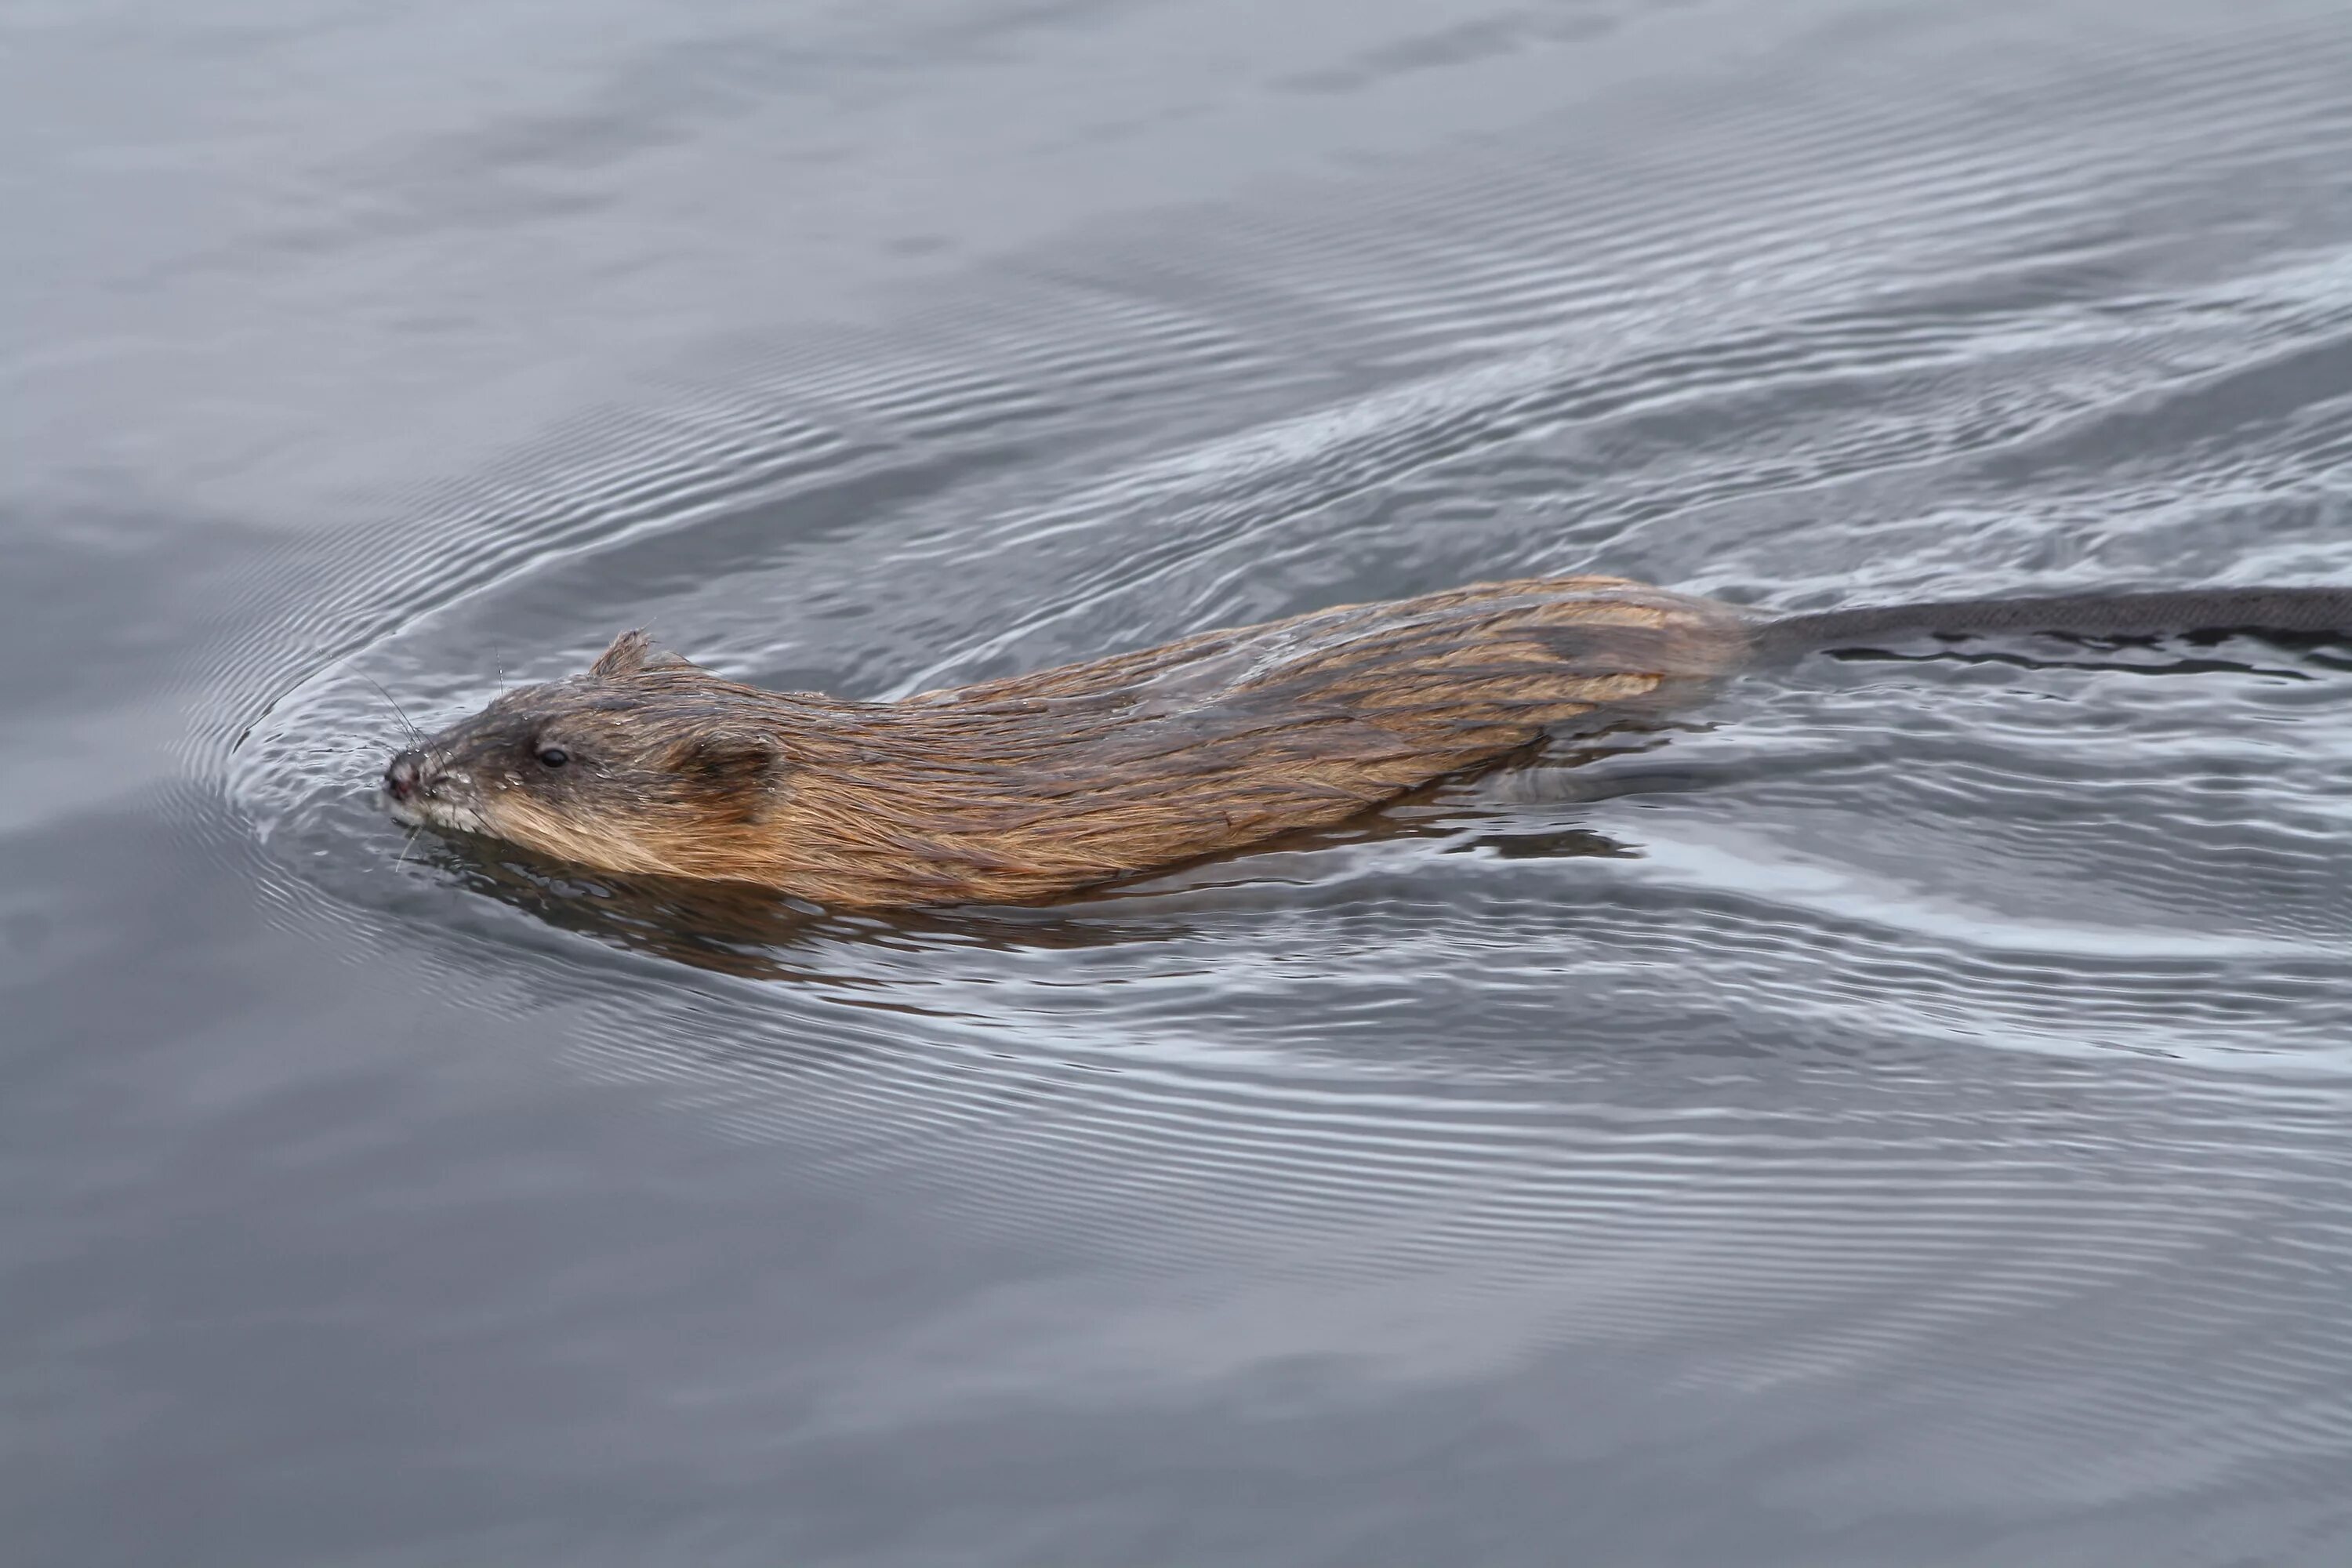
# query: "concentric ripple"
1878,1005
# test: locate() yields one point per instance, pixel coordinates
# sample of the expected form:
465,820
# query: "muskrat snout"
401,776
422,789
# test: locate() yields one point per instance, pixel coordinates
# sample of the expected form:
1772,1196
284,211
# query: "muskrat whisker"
410,844
415,733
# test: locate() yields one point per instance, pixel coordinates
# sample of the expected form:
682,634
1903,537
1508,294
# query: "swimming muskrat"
1020,789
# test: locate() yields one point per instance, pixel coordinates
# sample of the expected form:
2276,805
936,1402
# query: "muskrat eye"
553,756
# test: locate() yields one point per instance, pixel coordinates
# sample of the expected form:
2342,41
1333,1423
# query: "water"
1895,1115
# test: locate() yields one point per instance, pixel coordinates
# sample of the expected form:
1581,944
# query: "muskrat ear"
633,653
725,761
626,657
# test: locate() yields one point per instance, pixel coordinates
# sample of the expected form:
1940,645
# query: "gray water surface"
1894,1114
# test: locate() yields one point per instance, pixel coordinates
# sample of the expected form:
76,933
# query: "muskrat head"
632,766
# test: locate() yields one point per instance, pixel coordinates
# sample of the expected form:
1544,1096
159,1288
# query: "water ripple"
1881,1005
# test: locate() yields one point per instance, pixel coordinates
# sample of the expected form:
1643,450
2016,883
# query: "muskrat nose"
400,778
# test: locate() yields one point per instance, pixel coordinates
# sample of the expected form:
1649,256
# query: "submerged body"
1036,785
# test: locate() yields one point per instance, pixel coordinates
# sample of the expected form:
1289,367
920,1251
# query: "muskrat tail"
2297,612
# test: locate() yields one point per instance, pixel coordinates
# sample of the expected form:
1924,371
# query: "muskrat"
1031,786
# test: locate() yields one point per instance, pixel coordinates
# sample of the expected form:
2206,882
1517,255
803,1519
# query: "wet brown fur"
1022,789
